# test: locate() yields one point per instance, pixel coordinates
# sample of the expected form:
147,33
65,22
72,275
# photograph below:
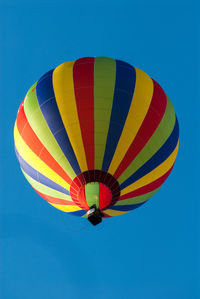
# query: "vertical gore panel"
55,200
162,154
63,84
105,196
147,188
39,176
140,103
49,108
92,194
159,137
38,124
83,74
36,146
151,121
138,199
82,199
123,94
44,189
31,158
104,84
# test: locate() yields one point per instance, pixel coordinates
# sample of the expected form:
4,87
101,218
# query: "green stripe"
92,194
137,199
41,129
85,215
46,190
156,141
104,83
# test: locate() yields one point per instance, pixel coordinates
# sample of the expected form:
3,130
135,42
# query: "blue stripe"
123,94
49,108
127,207
160,156
78,213
37,176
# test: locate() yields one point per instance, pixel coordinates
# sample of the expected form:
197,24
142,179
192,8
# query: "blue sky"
149,253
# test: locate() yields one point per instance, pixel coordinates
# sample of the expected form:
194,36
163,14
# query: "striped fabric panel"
32,141
49,108
162,155
146,188
83,76
132,203
137,199
156,141
149,123
69,209
141,103
96,193
104,84
35,162
91,193
63,84
153,175
43,189
39,126
37,176
111,213
55,200
123,94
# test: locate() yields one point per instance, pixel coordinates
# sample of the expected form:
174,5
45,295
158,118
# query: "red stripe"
82,199
54,200
83,75
36,146
148,188
105,196
151,121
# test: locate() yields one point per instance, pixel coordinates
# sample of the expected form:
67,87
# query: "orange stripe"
36,146
54,200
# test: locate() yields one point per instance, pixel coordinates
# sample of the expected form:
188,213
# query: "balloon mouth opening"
95,187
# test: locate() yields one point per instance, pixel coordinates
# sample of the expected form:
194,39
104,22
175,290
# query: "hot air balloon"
96,137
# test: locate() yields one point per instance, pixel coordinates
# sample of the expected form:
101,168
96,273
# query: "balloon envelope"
96,131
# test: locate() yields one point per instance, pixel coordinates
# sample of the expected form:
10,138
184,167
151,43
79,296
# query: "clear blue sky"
150,253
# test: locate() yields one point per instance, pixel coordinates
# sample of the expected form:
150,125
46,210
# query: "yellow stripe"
39,126
46,190
35,162
66,208
115,213
65,97
140,104
154,174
